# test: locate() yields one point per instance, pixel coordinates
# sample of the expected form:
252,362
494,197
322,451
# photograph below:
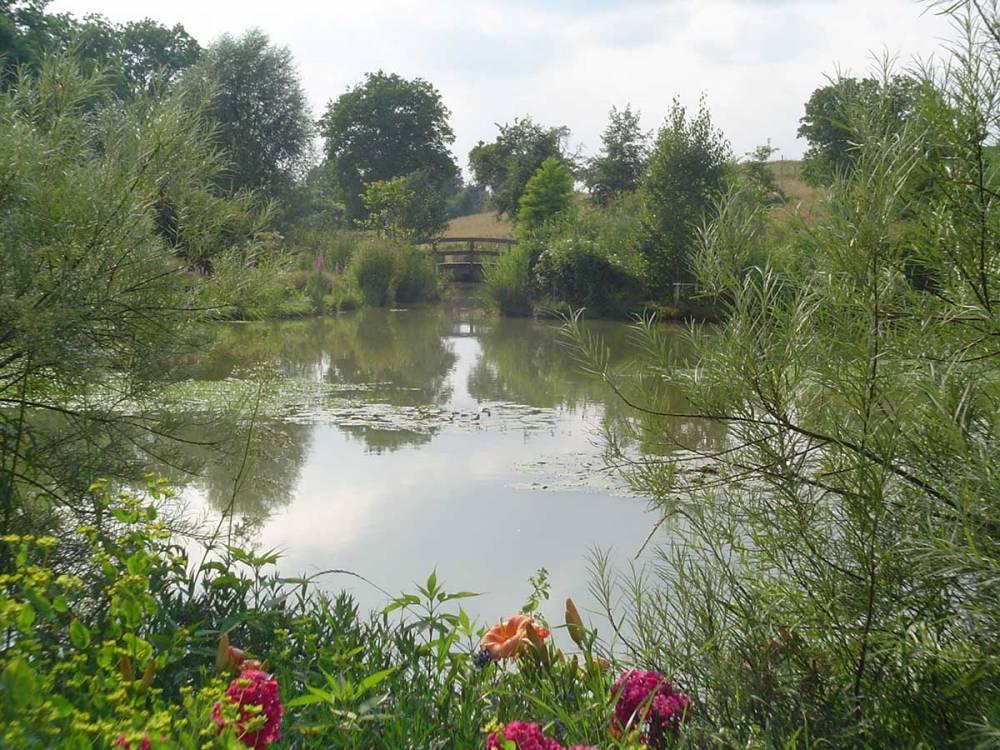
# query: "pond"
412,440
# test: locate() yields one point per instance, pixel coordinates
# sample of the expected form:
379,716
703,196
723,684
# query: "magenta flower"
255,694
144,743
527,737
648,701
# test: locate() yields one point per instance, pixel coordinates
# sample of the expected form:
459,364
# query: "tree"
832,114
836,577
261,111
684,175
505,165
27,32
387,127
96,310
624,150
405,207
547,194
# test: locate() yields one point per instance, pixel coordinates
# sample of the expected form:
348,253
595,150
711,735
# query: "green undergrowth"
115,635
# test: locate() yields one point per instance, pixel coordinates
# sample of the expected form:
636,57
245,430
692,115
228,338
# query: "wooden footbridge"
464,257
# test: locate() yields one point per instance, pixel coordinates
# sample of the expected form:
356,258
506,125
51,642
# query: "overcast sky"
566,62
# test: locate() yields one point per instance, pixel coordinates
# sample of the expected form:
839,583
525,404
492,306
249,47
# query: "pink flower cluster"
144,743
527,737
253,688
648,701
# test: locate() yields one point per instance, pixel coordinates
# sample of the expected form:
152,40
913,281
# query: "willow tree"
832,571
102,205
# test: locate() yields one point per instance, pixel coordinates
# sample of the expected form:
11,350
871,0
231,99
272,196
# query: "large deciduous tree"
832,116
685,173
387,127
261,110
505,165
624,150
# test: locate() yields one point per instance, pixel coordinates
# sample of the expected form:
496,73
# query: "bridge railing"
466,255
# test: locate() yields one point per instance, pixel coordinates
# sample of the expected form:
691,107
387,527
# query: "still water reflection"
412,440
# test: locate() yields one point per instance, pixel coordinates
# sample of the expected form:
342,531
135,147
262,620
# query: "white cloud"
568,63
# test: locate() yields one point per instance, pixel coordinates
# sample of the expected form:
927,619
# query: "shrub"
385,272
143,646
510,283
592,260
373,271
417,278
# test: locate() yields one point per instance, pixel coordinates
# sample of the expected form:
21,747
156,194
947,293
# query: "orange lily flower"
509,638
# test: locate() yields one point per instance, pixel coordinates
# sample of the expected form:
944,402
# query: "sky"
567,62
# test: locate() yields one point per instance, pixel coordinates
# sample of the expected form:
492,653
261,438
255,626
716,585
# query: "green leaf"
307,700
18,683
374,679
25,618
79,636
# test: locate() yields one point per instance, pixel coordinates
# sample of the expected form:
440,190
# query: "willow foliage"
831,570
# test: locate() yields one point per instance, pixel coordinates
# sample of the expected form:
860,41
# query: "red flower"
124,743
255,694
526,737
648,700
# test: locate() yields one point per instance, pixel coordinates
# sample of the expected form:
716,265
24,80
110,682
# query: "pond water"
397,442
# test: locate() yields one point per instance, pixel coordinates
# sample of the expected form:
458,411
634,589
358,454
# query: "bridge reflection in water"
464,257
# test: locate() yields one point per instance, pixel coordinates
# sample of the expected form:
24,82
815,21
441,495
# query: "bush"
136,648
417,277
831,578
385,272
591,259
510,283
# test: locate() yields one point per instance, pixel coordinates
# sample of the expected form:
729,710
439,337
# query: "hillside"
788,174
483,224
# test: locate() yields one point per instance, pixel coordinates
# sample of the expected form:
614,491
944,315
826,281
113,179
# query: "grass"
484,224
801,198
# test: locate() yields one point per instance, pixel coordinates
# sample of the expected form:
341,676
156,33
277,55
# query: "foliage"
138,57
467,199
504,166
384,272
546,195
261,111
97,303
510,284
27,33
405,207
386,127
831,576
685,172
619,166
591,260
832,113
135,644
758,173
314,203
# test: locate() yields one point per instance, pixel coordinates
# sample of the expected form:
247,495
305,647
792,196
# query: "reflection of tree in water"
275,455
402,355
527,362
381,440
402,352
275,458
393,358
